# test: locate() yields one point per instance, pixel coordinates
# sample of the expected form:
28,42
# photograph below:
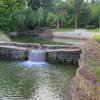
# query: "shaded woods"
23,15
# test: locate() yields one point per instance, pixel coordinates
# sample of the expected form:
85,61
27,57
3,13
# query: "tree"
95,13
78,5
60,10
51,19
22,15
7,16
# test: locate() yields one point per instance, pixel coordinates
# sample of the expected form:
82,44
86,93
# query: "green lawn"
63,29
96,37
95,30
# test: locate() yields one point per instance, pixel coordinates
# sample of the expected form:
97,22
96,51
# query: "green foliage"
23,15
90,27
70,21
40,15
95,13
51,19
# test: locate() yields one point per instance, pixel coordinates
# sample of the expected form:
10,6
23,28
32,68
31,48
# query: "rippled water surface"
35,83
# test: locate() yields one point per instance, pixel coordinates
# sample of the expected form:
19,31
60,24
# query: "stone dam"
54,53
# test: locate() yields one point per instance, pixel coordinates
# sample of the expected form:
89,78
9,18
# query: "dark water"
35,83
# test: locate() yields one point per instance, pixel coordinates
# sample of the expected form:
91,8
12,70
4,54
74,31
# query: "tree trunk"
58,24
99,22
76,21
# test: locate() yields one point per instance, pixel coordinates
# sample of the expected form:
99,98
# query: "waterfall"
36,58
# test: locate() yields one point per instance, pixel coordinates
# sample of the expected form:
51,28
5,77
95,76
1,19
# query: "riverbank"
86,83
26,39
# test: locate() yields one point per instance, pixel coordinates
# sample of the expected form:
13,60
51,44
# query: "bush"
51,19
90,27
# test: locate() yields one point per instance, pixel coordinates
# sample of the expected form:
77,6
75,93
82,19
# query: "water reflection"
35,83
69,41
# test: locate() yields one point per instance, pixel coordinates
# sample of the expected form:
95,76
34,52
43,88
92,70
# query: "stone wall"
84,86
53,53
86,83
13,53
41,32
45,33
22,45
45,46
63,56
36,45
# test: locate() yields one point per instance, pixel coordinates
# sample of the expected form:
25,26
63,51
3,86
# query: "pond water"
77,42
48,82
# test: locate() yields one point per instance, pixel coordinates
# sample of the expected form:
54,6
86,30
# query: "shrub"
51,19
90,27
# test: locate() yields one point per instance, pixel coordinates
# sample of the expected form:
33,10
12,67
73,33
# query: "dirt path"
78,34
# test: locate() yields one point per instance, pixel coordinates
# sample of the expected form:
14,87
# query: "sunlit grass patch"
3,36
96,70
96,37
95,30
63,29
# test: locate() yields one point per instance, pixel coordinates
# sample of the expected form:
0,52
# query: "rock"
14,34
86,85
41,32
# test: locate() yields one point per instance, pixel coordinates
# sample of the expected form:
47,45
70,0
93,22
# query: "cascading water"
35,58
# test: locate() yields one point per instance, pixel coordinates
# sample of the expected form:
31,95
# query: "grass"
95,66
96,69
95,30
3,36
96,37
1,33
63,29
